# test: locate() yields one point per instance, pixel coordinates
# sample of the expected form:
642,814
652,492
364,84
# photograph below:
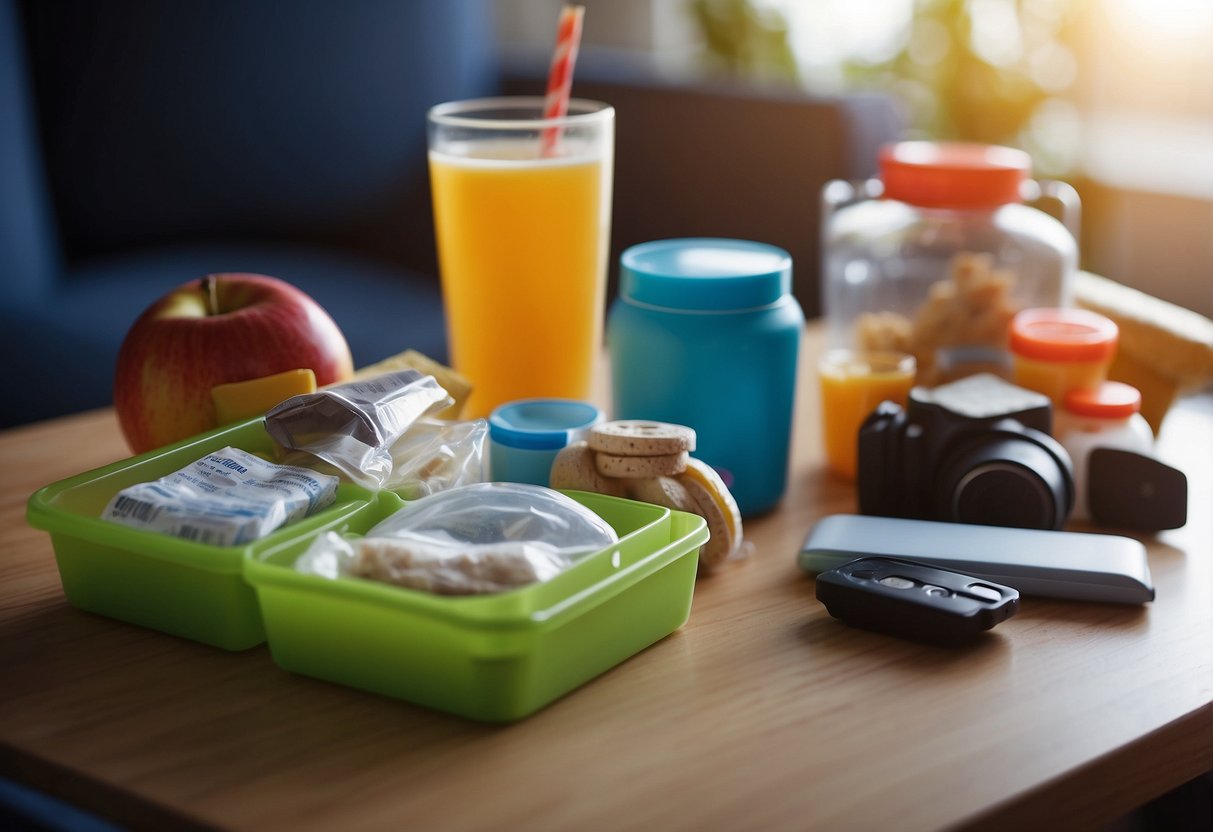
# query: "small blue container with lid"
706,333
526,435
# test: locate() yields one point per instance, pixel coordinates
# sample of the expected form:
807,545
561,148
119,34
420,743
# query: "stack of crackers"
651,462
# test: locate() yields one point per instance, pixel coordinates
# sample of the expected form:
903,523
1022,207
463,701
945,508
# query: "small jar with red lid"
1105,416
1056,351
937,255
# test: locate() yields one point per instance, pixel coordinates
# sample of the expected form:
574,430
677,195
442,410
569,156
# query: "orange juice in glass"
522,244
853,382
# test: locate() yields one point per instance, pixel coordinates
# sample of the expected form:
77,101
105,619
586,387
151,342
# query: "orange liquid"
851,388
522,244
1056,378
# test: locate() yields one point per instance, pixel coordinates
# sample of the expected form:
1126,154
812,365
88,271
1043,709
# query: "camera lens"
1008,481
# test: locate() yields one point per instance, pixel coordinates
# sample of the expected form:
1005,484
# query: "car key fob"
911,600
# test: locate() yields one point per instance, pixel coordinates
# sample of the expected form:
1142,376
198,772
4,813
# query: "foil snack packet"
353,426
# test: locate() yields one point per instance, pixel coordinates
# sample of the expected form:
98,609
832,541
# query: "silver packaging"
353,426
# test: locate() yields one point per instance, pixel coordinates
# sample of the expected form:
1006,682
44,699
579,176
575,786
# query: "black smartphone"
912,600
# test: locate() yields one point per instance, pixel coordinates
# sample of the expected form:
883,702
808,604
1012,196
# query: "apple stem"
211,291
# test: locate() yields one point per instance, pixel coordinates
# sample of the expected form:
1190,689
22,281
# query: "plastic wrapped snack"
431,456
353,426
487,537
434,455
227,498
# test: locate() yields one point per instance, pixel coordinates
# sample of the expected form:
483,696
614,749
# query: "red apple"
221,328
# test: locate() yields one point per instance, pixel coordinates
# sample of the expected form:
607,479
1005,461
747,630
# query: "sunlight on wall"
1169,18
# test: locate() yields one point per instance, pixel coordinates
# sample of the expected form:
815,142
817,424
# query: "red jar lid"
953,174
1063,335
1110,400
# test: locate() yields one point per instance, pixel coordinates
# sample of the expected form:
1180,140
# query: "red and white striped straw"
560,76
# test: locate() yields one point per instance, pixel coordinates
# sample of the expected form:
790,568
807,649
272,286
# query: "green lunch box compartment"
166,583
493,657
489,657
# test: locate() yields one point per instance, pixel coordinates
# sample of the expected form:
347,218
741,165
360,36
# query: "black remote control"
911,600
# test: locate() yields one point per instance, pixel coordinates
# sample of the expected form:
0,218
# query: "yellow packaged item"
241,400
455,384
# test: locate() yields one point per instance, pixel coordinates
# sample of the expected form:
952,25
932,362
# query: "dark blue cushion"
60,355
285,130
28,248
166,121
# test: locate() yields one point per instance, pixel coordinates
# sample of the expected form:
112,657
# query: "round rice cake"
636,437
638,467
716,505
662,491
574,468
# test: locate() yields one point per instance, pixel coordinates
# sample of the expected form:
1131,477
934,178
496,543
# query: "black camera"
977,450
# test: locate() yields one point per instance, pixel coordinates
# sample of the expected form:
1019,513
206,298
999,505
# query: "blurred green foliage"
978,70
991,71
746,40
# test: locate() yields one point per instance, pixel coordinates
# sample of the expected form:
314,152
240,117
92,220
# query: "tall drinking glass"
522,209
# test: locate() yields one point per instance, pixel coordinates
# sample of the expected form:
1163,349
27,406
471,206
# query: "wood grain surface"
761,713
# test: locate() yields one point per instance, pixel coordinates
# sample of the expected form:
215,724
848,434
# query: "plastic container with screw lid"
526,435
1059,350
1106,416
706,333
935,256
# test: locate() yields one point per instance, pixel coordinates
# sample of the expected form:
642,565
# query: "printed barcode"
141,511
196,534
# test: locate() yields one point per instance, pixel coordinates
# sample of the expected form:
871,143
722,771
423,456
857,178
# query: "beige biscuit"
721,541
574,469
635,437
706,475
635,467
662,491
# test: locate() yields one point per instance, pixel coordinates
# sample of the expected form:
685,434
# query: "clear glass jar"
936,256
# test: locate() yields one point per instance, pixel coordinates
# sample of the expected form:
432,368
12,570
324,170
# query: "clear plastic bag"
431,456
434,455
353,426
488,537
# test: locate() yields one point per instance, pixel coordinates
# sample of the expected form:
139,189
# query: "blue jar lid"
540,424
705,274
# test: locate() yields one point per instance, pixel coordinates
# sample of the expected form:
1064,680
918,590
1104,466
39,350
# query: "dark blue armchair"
144,143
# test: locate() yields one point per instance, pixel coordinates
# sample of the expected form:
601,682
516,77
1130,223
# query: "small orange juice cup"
1058,350
853,383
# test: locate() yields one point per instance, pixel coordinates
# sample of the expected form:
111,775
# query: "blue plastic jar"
526,435
706,333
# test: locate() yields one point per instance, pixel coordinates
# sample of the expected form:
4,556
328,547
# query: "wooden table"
762,713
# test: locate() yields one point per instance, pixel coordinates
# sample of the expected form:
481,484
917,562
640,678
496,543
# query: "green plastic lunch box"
176,586
489,657
493,657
